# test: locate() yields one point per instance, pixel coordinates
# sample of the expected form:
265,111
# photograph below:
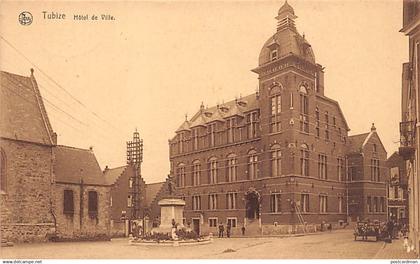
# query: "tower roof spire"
286,17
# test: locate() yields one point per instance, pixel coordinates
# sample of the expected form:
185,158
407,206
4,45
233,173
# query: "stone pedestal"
170,209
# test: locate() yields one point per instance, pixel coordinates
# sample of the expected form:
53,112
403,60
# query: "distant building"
46,190
276,160
367,177
397,189
409,126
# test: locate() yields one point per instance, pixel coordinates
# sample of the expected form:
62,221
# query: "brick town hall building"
279,158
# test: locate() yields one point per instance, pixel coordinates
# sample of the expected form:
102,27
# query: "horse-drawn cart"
367,229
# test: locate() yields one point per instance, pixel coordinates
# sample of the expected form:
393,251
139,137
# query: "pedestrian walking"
221,230
228,229
243,230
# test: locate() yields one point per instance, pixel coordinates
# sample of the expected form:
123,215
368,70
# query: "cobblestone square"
335,245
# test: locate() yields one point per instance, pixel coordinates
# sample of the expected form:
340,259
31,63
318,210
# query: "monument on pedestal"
171,212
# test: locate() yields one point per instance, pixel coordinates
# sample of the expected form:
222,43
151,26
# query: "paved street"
338,244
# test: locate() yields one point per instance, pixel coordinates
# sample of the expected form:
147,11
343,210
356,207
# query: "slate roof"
112,175
22,112
220,112
152,190
73,164
357,141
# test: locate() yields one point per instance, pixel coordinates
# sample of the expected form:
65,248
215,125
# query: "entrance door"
252,206
196,225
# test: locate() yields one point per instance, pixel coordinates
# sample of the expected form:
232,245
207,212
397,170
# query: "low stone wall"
288,229
25,232
117,229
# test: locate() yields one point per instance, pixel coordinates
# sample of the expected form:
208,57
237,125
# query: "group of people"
228,230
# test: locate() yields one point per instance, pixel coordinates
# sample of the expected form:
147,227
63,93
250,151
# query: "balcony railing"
407,138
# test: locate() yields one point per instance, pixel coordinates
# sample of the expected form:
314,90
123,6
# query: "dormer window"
273,55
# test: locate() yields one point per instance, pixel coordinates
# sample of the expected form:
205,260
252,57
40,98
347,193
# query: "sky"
158,60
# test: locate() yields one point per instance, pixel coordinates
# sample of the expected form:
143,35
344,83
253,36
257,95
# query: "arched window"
275,160
275,106
3,178
212,170
180,175
231,168
196,173
304,109
304,160
252,165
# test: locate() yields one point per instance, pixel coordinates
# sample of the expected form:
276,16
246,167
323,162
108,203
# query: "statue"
170,182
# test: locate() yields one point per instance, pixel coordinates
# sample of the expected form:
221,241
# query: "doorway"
196,225
252,205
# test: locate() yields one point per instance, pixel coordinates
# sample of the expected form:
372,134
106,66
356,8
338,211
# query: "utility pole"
134,159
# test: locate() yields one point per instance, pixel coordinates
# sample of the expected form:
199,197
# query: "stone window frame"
180,174
231,167
323,203
92,206
275,202
304,107
196,173
322,166
212,170
214,219
232,219
212,201
275,107
252,164
276,159
304,160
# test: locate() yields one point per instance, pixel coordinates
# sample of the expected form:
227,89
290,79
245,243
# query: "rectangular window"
213,171
369,204
275,203
340,204
196,174
231,169
92,203
374,170
231,125
212,134
340,169
212,221
195,138
323,206
382,204
212,201
304,202
68,202
130,183
275,163
180,173
304,162
253,167
252,124
231,221
129,201
196,202
375,204
322,166
231,200
181,142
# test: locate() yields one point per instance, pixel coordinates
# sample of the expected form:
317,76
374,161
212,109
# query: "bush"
184,234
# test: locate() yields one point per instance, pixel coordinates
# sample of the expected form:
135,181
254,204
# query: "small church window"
68,207
92,203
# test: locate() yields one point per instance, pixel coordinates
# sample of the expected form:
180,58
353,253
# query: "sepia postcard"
273,130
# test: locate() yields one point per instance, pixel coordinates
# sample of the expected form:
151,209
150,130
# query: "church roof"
356,142
185,126
22,112
286,8
73,164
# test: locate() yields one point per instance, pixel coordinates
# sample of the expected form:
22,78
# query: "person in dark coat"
243,230
228,229
221,230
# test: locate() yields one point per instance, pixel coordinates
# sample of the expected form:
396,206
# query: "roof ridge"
76,148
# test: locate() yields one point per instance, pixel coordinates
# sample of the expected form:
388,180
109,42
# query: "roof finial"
186,117
373,128
32,71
